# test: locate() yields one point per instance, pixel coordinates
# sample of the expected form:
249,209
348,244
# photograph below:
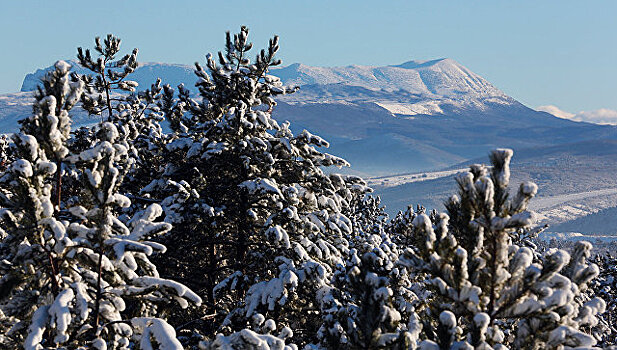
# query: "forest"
198,221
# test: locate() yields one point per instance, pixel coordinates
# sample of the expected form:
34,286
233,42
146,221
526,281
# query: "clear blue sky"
540,52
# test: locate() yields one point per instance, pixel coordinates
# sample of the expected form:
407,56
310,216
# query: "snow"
180,143
37,328
397,180
270,292
81,300
247,339
61,315
279,235
504,155
62,66
438,79
158,330
428,345
562,334
46,167
554,201
448,319
22,167
31,144
99,344
411,109
180,289
261,186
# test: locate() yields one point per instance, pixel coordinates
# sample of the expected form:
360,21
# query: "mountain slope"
443,78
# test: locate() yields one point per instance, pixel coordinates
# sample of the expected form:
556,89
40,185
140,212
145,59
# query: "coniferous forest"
197,221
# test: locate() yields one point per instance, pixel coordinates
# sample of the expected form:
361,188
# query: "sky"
560,54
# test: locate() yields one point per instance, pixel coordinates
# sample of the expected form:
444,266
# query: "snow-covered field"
396,180
550,202
576,236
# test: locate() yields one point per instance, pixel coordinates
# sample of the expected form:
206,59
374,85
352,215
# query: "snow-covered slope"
412,88
145,75
437,79
12,108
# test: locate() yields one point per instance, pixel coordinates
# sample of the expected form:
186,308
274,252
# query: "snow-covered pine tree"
33,240
488,292
109,75
127,295
369,302
258,224
85,280
605,287
4,151
137,115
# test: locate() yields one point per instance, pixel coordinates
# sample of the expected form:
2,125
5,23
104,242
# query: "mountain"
416,116
436,78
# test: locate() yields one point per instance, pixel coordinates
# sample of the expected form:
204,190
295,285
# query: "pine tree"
33,240
137,115
486,291
4,152
85,279
109,75
369,304
605,287
258,224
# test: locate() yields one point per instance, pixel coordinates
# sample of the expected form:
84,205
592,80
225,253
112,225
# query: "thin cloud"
554,110
602,116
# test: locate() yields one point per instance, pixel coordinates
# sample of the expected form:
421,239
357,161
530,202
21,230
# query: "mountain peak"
415,64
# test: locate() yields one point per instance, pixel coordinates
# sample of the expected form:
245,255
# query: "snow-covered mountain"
437,78
416,116
414,87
